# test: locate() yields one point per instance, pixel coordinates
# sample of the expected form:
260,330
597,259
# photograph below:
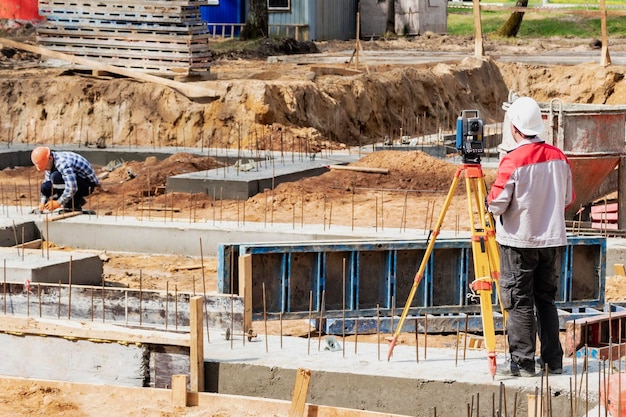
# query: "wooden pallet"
124,37
175,15
123,3
199,47
161,36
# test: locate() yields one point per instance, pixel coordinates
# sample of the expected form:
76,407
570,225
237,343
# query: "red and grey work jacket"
529,197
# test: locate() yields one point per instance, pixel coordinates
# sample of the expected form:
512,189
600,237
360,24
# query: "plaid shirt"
71,165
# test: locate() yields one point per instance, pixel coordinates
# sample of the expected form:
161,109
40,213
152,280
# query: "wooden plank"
173,28
129,51
360,169
245,289
126,3
191,43
196,330
89,331
300,390
179,390
619,269
479,49
189,90
235,404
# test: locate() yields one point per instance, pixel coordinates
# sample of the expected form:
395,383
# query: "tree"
390,26
257,22
511,27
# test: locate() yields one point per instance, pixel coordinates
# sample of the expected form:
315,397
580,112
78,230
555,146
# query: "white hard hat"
525,115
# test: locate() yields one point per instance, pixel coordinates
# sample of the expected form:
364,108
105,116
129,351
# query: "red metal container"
19,10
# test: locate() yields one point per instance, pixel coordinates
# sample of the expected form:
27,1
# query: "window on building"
278,5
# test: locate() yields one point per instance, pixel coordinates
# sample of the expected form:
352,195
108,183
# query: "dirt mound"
407,171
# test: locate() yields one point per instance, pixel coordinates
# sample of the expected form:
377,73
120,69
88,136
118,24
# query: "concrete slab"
17,226
130,234
441,379
250,178
21,265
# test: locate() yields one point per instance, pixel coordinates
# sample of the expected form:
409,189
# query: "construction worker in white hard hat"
68,179
532,189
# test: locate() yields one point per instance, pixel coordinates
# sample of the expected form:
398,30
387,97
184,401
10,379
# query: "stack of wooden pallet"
153,36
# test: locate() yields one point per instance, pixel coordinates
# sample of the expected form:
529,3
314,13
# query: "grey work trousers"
528,286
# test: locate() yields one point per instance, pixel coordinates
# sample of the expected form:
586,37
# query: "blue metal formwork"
370,278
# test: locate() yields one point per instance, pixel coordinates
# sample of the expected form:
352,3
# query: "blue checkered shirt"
71,165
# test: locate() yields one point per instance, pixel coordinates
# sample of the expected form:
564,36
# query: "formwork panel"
373,278
267,271
303,276
407,264
337,269
585,273
446,277
361,278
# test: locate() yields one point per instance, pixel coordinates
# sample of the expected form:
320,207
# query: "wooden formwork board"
165,40
210,403
156,27
175,14
170,67
117,48
129,3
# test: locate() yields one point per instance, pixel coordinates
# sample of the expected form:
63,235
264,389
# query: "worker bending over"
69,178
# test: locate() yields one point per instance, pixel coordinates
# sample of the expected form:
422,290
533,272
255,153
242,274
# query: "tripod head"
469,136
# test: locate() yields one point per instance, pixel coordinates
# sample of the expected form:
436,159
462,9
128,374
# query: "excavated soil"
275,106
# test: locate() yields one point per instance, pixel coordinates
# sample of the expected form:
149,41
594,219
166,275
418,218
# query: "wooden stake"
343,308
140,296
69,297
265,318
167,302
310,313
206,314
300,390
319,340
196,360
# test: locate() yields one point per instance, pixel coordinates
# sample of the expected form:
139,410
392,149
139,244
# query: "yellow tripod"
484,250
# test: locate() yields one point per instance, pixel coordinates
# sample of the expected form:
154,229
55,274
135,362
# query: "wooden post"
605,58
179,390
196,354
479,50
245,289
300,390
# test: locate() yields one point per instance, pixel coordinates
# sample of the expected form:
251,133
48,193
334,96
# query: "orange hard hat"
40,156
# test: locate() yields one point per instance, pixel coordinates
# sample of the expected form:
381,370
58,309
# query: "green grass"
535,25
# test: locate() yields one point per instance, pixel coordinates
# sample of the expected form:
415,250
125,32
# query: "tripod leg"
486,259
420,272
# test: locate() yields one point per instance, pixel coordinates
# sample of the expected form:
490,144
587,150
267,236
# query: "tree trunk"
511,27
257,23
390,26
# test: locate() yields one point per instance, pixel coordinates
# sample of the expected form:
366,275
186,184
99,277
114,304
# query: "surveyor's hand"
52,205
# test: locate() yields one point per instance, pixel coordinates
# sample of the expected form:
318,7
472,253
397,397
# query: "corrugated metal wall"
317,20
335,19
19,10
